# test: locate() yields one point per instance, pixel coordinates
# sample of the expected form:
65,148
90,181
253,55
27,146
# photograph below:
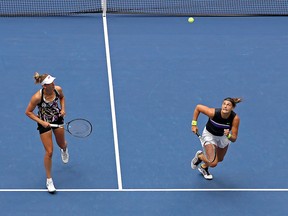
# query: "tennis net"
152,7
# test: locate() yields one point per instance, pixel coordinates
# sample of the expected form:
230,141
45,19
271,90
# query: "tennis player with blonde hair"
47,100
221,129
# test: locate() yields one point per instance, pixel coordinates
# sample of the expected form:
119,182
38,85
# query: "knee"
49,154
213,164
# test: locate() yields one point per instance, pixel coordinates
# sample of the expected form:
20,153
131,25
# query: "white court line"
112,104
154,190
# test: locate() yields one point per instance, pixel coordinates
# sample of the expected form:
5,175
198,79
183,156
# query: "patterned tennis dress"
49,111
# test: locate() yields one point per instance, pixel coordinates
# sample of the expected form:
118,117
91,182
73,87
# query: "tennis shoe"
50,186
196,160
65,155
205,173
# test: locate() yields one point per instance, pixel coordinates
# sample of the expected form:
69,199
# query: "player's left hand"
226,132
62,113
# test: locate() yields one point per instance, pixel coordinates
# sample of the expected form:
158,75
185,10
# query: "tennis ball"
190,19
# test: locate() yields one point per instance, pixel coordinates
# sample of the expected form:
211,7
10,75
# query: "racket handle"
197,133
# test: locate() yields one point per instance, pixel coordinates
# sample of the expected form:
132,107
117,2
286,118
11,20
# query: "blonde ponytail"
39,78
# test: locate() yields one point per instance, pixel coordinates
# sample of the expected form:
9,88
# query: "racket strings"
210,152
80,128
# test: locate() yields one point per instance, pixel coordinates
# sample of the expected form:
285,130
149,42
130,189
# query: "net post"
104,7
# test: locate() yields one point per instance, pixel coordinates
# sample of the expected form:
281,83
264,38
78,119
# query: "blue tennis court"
138,161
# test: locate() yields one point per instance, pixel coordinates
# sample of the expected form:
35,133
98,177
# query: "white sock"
49,180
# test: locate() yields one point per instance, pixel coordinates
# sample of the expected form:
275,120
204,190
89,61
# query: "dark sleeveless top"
217,124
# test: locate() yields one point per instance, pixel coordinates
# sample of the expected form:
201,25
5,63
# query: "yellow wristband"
194,123
229,136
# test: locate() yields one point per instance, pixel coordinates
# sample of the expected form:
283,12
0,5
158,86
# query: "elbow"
198,107
27,113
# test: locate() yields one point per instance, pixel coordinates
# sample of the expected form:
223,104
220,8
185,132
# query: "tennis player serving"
48,100
221,129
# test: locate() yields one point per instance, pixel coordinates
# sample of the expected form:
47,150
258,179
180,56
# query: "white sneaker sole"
193,166
52,191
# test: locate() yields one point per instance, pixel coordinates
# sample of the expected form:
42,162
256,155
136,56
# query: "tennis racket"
77,127
209,150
